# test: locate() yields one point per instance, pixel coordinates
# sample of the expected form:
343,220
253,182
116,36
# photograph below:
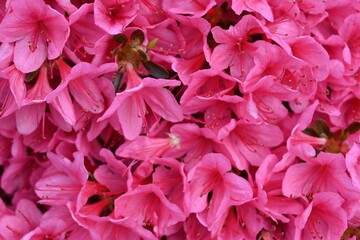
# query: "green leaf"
151,44
353,128
310,132
117,81
136,64
343,135
156,70
69,62
137,37
322,129
142,56
31,76
121,38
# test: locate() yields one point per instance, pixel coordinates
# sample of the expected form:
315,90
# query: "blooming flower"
147,205
39,32
114,16
322,219
159,119
211,179
130,105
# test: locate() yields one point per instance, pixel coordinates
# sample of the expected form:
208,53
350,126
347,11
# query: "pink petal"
16,26
163,102
57,32
260,6
309,50
27,60
130,116
113,16
28,117
196,8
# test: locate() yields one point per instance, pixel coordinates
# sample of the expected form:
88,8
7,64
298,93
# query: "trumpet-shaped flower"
39,32
212,179
148,206
131,104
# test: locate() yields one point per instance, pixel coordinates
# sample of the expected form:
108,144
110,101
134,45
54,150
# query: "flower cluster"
193,119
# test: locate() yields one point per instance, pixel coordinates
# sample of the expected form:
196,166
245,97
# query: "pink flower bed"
193,119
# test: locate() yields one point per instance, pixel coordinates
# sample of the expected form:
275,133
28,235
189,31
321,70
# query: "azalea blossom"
160,119
38,31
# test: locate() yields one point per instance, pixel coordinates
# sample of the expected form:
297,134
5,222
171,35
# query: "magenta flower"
131,104
249,143
262,7
169,176
113,16
234,51
148,206
270,201
25,218
324,218
62,181
352,164
349,31
196,8
107,228
196,51
51,227
193,119
211,179
16,83
39,33
146,148
8,103
325,173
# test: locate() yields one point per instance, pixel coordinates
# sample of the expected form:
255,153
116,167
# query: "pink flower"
19,172
349,31
239,222
323,218
196,51
6,54
249,143
150,13
62,181
113,175
25,218
148,206
234,51
171,179
317,57
194,143
57,223
39,32
42,138
196,8
131,104
109,228
325,173
214,188
113,16
170,41
146,148
352,164
16,84
209,83
195,230
81,82
299,143
5,145
270,200
8,103
84,31
262,7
